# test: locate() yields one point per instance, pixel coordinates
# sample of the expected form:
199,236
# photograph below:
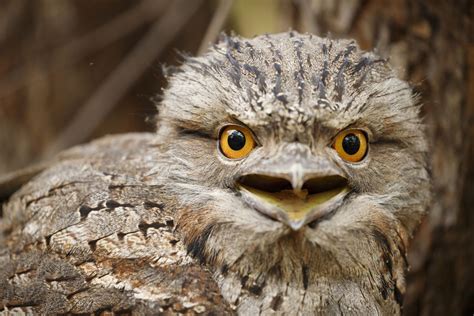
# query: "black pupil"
351,144
236,140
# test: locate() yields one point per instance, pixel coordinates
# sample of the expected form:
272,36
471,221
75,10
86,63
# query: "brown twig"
77,48
216,24
11,14
121,79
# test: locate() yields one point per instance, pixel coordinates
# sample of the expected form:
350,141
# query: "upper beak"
295,193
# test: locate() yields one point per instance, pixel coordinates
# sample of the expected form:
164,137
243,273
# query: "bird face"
292,150
295,186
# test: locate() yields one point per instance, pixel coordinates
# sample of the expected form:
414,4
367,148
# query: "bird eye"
236,141
351,145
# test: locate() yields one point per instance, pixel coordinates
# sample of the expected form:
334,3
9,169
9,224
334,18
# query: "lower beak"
296,207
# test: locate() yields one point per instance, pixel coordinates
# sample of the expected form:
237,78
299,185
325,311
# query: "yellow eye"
351,145
236,141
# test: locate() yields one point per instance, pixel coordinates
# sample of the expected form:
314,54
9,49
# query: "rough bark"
431,43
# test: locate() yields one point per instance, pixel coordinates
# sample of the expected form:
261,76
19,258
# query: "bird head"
292,151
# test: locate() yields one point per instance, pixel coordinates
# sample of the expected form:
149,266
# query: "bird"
286,176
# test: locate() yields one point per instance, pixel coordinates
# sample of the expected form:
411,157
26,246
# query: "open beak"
295,197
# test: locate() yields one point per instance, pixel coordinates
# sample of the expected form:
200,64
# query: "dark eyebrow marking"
319,80
251,49
235,71
259,76
366,64
201,133
340,79
277,59
299,75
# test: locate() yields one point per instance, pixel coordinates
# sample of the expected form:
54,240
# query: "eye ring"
236,142
351,145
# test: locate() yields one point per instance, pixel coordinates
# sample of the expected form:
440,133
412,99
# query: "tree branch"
123,77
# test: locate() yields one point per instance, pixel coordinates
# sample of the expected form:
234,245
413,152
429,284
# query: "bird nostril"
265,183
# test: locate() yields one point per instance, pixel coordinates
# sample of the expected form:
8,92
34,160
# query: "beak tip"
296,225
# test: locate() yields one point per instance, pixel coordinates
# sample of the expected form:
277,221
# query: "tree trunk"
430,42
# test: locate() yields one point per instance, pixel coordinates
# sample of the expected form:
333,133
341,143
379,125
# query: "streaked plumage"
160,222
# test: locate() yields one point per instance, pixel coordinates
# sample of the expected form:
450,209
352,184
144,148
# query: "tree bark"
431,43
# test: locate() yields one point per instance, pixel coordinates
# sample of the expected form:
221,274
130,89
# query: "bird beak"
294,193
295,208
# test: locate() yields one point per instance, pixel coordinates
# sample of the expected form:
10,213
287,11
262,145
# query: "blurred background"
72,71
